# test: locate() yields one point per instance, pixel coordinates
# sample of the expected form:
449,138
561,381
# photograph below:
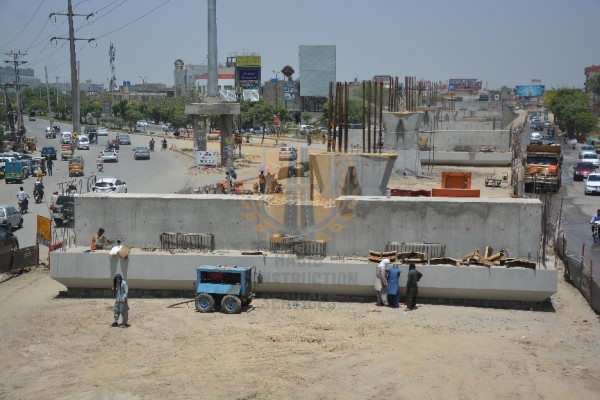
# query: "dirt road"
58,348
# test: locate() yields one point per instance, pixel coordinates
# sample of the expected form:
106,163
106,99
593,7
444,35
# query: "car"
166,127
141,153
110,154
49,152
141,124
592,183
65,137
113,144
124,139
10,217
535,138
83,143
90,129
590,157
586,149
582,169
548,140
50,133
537,126
8,245
63,210
102,131
109,185
288,154
547,124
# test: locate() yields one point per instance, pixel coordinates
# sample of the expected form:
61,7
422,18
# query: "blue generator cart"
231,287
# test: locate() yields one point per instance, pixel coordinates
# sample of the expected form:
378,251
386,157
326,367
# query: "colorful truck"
542,168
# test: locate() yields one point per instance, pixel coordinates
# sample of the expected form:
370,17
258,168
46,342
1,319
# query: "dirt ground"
61,348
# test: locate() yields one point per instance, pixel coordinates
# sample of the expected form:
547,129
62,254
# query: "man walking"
49,165
412,287
121,307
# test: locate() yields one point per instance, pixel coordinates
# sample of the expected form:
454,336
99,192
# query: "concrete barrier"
158,271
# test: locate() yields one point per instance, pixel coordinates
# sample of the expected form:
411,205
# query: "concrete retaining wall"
492,159
288,274
350,225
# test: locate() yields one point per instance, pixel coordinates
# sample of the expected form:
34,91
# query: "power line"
135,20
26,25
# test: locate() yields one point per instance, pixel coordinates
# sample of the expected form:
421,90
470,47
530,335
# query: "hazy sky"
501,42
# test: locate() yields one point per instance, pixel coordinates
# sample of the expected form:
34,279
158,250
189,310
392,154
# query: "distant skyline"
507,42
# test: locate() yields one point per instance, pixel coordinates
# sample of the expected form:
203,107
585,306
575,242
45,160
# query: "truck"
542,168
230,286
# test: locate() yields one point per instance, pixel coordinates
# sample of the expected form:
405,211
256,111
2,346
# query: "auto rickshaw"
66,151
76,166
31,143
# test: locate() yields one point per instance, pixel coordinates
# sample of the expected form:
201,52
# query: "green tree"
306,117
2,137
572,111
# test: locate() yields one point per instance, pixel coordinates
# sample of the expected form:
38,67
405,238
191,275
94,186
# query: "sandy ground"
60,348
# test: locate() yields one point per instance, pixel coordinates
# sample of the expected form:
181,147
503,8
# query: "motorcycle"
151,146
23,206
100,167
595,235
164,145
38,195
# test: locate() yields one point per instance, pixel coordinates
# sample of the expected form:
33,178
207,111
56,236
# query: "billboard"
247,61
290,90
464,85
248,77
530,90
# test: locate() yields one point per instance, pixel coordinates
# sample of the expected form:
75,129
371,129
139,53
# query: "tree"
306,117
572,111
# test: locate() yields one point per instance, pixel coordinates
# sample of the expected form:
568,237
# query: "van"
13,171
65,137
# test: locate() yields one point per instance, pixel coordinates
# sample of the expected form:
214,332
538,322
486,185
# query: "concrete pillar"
402,137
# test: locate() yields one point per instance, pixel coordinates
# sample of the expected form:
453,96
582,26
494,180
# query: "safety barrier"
431,250
298,245
187,241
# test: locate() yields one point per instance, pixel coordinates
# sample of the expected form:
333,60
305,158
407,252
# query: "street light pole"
143,78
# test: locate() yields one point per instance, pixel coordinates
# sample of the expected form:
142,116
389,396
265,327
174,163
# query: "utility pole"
75,113
17,85
48,97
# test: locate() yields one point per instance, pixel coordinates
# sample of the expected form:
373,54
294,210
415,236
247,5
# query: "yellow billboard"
247,61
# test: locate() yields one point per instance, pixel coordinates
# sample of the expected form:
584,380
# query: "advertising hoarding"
530,90
248,77
290,90
248,61
464,85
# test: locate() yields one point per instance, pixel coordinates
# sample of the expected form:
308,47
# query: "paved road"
576,209
161,174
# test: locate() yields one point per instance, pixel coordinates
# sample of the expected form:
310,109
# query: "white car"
110,154
288,154
590,157
102,131
109,185
141,123
83,143
592,183
586,149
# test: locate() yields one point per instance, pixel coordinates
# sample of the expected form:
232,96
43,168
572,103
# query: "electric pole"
17,85
75,113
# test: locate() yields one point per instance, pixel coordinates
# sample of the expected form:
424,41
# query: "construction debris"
378,256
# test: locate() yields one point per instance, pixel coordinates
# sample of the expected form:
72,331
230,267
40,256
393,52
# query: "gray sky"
502,42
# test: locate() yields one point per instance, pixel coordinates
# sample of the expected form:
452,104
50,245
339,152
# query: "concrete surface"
289,274
351,225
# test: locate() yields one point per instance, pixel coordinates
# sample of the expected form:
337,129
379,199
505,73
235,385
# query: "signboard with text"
465,85
43,230
248,61
208,158
530,90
